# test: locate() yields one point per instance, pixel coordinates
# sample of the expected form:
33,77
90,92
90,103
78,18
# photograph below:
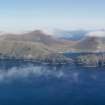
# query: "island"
39,47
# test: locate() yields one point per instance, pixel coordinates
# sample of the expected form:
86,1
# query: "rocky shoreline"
77,59
90,59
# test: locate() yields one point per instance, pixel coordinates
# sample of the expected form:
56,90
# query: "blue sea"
26,83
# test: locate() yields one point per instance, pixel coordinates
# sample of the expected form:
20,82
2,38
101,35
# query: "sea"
27,83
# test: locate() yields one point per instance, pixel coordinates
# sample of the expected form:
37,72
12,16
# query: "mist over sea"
29,84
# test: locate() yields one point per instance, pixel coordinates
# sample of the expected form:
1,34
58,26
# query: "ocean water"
23,83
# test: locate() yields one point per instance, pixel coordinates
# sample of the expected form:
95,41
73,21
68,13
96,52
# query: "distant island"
40,47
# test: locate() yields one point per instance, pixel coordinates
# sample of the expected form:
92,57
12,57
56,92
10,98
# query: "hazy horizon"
23,15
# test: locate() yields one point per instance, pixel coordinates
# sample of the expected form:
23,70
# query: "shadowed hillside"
90,43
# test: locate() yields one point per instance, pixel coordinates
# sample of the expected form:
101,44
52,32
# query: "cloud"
97,33
28,71
31,72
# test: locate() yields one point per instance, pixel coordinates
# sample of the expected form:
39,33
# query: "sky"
22,15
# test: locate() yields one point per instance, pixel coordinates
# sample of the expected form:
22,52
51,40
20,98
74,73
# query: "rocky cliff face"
91,60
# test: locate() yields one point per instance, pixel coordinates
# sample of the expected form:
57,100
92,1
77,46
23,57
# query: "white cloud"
97,33
28,71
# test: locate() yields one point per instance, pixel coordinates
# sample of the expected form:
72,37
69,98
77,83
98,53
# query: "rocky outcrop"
91,60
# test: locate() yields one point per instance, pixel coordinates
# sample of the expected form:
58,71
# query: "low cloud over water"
29,71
